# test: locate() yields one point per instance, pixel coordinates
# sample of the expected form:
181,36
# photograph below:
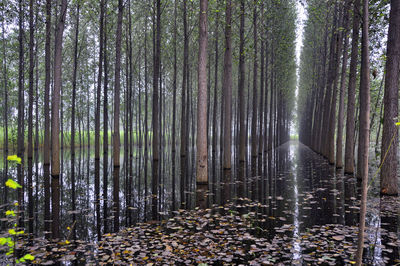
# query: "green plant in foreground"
11,240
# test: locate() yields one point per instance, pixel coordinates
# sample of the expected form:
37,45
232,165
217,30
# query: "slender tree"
241,99
99,77
55,123
227,87
363,140
390,100
202,149
116,138
254,151
351,98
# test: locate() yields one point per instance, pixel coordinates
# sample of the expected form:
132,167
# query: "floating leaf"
9,212
28,257
12,184
14,158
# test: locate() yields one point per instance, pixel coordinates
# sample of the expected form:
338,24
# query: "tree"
55,123
351,98
363,141
391,96
116,138
227,87
46,101
241,99
99,77
202,149
254,150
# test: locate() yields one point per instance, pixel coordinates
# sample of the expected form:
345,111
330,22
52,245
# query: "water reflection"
295,186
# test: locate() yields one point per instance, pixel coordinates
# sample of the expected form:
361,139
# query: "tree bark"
351,98
242,72
116,138
202,149
254,151
390,99
99,77
227,87
184,83
339,138
363,141
55,124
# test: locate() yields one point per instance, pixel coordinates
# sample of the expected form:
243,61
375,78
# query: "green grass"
12,143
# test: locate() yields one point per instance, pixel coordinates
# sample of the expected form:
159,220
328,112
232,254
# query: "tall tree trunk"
99,76
261,122
116,138
74,73
55,124
242,70
351,98
30,120
339,138
363,141
254,151
174,86
105,124
155,111
184,82
390,100
5,80
202,149
31,81
227,87
215,104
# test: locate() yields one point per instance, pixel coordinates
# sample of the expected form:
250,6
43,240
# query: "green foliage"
12,239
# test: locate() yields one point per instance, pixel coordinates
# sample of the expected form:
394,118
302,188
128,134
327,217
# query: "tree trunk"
351,98
215,104
116,137
202,149
155,111
242,70
227,88
184,83
55,124
391,96
339,138
74,81
100,74
363,141
254,151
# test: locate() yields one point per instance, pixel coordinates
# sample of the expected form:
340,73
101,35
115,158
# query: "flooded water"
295,187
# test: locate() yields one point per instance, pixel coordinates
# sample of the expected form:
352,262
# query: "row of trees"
75,47
325,76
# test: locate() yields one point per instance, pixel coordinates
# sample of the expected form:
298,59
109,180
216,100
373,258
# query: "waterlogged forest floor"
223,236
307,214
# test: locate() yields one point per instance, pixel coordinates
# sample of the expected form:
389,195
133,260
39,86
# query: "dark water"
294,185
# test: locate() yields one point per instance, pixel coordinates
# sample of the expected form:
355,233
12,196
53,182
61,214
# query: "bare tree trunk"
242,70
254,151
155,111
391,96
55,124
184,83
74,81
99,77
116,138
351,98
105,124
339,138
227,87
363,141
215,104
202,149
